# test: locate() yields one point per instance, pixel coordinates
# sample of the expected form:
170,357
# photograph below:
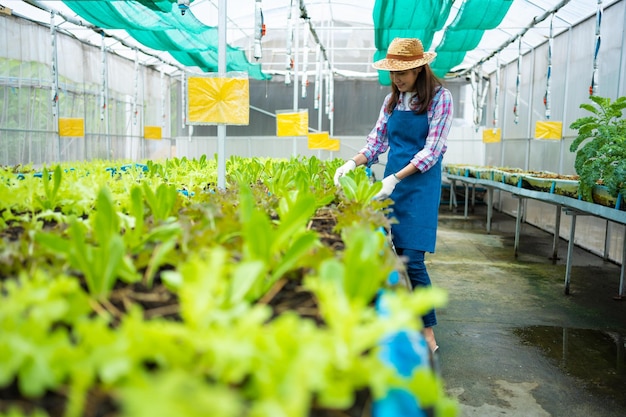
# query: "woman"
413,125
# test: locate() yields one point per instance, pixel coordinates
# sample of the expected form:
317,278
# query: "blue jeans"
416,269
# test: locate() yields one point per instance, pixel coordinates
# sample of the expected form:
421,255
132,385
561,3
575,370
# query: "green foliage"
70,326
100,263
601,147
358,188
178,394
162,201
51,191
357,204
282,245
35,312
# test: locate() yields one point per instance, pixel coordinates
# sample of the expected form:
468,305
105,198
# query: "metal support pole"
296,52
489,208
557,227
473,197
452,194
565,348
518,224
221,69
607,239
570,250
55,86
620,292
466,198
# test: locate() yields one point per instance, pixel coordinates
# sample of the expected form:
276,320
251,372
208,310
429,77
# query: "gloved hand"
343,170
389,184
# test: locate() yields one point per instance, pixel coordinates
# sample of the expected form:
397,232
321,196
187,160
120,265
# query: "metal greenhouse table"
571,206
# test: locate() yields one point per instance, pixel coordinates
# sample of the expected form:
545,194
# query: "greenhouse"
312,208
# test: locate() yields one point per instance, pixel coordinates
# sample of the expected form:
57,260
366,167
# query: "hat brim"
387,64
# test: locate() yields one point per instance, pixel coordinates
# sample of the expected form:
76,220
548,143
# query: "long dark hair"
426,86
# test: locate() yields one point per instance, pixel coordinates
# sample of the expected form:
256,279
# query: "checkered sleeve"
440,115
377,140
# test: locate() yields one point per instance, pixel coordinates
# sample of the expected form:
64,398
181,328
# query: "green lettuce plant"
83,333
102,262
51,188
601,147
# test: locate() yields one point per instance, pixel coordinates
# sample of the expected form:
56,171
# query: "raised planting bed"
543,181
483,173
510,176
455,169
131,290
601,195
552,183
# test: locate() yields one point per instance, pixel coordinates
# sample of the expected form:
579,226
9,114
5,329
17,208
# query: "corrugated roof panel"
351,50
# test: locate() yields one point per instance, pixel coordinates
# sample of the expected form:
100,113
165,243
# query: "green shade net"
406,19
159,25
460,40
421,19
446,60
481,14
466,31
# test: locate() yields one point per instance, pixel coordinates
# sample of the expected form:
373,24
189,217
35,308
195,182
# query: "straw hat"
404,54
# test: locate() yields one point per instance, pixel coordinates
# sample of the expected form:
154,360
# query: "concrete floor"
511,342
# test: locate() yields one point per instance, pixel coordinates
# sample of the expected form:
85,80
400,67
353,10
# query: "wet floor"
511,342
595,357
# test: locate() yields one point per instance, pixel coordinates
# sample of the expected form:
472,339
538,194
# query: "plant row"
144,289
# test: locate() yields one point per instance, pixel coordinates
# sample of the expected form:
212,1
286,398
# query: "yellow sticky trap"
323,141
318,140
333,145
549,130
71,127
290,123
219,100
152,132
492,135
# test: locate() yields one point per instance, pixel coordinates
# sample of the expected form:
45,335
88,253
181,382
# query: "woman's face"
405,80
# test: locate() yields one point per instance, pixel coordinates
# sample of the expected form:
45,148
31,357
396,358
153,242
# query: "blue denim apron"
416,198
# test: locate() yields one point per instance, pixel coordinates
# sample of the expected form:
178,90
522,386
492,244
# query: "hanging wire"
593,88
546,97
479,87
103,89
183,95
289,54
536,20
327,77
496,96
474,86
305,57
305,15
484,87
331,95
318,77
55,73
163,99
136,88
259,29
518,82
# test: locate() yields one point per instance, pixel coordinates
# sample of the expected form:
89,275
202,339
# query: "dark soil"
158,301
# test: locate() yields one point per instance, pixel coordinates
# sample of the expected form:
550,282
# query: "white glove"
389,184
344,169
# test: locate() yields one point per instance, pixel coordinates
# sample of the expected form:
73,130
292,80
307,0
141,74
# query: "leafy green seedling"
104,261
50,188
601,147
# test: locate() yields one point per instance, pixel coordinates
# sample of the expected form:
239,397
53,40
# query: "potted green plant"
601,147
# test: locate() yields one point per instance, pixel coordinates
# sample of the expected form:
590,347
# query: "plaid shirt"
439,122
